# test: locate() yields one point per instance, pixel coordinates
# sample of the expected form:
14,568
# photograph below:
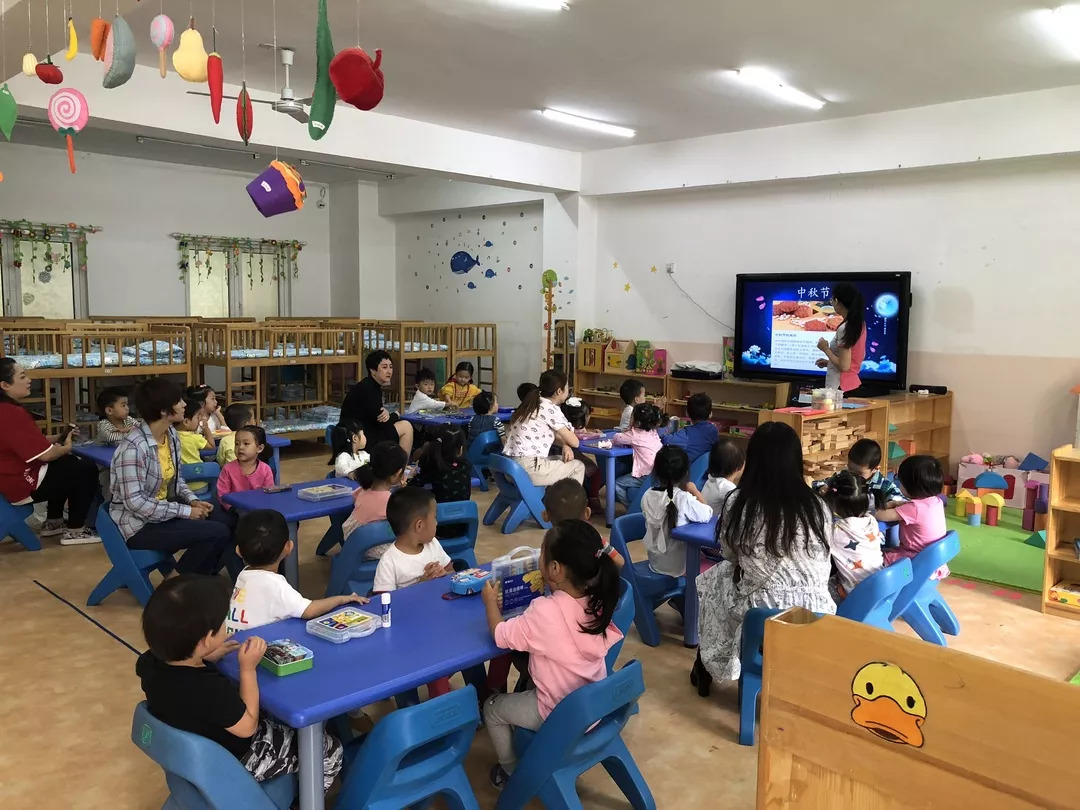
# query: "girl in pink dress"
922,518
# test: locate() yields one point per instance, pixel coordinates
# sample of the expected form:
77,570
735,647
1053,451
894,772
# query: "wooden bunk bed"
410,344
255,355
72,358
477,343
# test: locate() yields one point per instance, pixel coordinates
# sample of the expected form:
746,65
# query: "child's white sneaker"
79,537
51,528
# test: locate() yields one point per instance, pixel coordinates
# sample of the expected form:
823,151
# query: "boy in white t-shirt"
726,462
415,556
261,595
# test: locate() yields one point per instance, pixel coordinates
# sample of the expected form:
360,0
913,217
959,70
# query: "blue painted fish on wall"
461,262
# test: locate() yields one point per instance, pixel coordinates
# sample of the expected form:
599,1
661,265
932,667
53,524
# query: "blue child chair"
13,524
415,754
699,470
479,451
753,636
650,589
335,535
566,745
871,601
920,604
622,619
635,495
204,471
517,494
130,568
351,573
202,775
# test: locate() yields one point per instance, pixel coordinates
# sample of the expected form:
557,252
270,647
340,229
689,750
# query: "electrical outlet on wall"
670,267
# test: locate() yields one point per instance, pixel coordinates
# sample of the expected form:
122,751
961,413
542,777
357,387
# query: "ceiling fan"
288,104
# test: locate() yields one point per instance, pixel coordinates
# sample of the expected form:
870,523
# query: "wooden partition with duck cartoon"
855,717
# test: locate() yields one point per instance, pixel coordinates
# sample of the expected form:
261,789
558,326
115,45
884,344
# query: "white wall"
344,250
132,263
428,290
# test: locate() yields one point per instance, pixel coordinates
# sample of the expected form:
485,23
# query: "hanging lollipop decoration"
68,114
245,117
162,32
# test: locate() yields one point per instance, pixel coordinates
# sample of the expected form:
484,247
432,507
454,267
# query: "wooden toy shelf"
924,421
741,401
837,431
607,405
1062,528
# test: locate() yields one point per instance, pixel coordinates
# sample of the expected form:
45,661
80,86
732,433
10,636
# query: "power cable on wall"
689,298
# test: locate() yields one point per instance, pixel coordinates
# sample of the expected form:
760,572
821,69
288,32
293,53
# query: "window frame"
11,278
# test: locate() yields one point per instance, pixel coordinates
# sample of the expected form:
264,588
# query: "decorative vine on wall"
196,250
42,236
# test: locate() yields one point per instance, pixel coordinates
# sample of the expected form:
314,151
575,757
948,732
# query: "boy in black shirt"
184,625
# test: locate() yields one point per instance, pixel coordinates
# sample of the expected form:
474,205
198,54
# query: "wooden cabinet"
1062,530
921,425
826,437
601,390
735,402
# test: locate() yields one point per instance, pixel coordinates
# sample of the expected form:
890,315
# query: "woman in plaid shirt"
151,504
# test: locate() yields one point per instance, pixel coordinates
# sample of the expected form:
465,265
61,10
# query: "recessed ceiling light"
539,5
588,123
769,82
1063,25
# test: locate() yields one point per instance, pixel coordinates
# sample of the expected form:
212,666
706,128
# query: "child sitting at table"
856,540
116,420
185,629
207,399
347,443
194,434
377,479
864,460
459,389
442,468
237,416
645,441
700,435
922,518
262,595
726,462
567,634
578,413
673,502
249,470
486,416
524,390
425,387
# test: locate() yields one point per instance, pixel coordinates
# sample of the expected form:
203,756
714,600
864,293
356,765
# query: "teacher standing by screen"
844,355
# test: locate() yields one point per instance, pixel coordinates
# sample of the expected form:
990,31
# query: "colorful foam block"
1033,463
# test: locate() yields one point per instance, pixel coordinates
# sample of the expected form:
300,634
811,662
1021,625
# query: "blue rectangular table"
696,536
460,418
608,455
431,637
101,454
294,510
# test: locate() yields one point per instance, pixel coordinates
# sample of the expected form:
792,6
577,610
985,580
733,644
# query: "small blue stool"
650,589
130,568
13,524
204,471
920,604
517,494
871,601
753,636
202,775
478,453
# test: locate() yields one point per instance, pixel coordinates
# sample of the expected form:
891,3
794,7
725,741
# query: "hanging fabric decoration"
245,117
162,32
189,59
357,78
73,40
278,190
9,112
29,65
215,80
48,72
99,36
324,97
119,56
68,114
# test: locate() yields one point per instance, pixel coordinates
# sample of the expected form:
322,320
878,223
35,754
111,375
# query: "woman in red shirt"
845,354
35,468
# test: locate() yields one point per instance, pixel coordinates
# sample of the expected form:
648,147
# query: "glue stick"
386,610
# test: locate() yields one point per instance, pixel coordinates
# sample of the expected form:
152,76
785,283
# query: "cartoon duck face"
889,703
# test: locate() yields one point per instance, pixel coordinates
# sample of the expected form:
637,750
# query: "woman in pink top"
384,473
248,470
845,354
567,634
646,443
922,520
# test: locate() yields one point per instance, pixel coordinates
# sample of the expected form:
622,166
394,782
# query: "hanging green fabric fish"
324,98
9,111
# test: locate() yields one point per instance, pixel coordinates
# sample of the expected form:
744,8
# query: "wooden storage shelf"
924,421
1062,528
739,401
870,421
588,388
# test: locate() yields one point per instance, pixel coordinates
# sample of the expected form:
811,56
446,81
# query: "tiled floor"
70,686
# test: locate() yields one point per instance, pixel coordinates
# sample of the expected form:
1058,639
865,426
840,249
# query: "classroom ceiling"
652,65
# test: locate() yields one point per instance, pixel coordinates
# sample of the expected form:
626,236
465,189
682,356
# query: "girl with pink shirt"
645,441
384,473
567,634
249,470
922,519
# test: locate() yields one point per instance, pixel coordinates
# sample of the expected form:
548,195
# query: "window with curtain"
43,270
238,277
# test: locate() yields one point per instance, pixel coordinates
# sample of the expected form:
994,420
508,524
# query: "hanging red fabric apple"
357,78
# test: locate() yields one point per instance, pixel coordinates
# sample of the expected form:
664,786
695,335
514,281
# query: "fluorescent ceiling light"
769,82
539,5
1063,25
588,123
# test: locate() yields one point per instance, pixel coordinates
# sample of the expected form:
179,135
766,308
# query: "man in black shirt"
184,624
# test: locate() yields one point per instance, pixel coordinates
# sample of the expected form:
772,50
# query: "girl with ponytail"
384,473
674,501
536,425
567,634
844,355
